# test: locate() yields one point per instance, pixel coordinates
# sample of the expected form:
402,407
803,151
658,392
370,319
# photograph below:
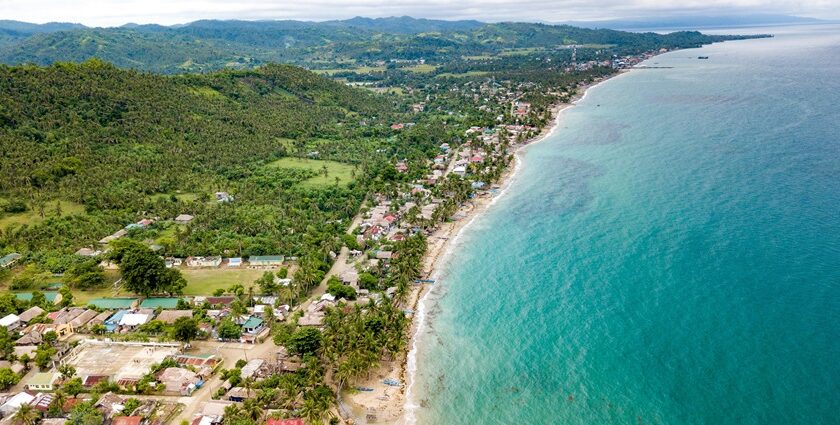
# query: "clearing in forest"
327,171
33,216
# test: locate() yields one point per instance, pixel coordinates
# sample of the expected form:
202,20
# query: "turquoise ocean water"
671,255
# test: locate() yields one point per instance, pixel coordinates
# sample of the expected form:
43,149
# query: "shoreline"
395,405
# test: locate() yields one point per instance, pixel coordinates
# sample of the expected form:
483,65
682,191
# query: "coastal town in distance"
236,222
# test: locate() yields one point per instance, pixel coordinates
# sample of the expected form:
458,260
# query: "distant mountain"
28,28
211,44
697,22
14,31
407,24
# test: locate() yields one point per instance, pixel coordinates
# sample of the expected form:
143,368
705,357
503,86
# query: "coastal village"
133,358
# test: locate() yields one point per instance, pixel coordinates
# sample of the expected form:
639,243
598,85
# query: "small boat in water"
702,57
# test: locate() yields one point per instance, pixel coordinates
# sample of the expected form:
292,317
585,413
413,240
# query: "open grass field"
421,68
479,57
344,172
521,51
462,74
206,281
32,216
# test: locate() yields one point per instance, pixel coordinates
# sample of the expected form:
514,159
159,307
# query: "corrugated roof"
112,303
50,296
165,303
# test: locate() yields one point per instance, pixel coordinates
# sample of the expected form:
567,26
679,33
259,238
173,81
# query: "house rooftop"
252,322
43,378
112,303
164,303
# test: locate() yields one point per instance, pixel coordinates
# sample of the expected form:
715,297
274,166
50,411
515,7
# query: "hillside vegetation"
121,142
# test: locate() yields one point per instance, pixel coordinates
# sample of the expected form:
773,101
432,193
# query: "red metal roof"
127,420
295,421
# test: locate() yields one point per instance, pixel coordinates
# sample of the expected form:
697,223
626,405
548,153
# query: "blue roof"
115,319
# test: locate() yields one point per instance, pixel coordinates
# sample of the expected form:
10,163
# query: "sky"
168,12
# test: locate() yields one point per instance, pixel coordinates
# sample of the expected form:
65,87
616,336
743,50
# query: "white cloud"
118,12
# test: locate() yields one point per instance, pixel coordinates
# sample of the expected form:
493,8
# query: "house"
44,381
214,261
170,316
401,167
201,360
17,368
30,338
42,401
13,404
10,322
178,380
118,234
216,301
87,252
65,315
55,421
234,262
52,297
223,197
252,325
251,368
29,350
166,303
30,314
8,260
100,318
183,219
63,330
90,381
133,320
265,260
109,404
113,303
292,421
83,319
127,420
238,394
173,262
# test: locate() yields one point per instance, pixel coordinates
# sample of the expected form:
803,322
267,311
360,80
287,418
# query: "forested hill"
210,45
96,132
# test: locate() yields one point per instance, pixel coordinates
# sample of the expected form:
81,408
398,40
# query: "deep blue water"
670,256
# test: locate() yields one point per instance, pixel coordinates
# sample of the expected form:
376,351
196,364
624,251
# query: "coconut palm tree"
27,415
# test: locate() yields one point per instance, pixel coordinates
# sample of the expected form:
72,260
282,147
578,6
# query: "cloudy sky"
118,12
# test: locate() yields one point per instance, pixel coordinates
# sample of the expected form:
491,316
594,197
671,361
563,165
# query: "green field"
521,51
206,281
32,216
344,172
421,68
206,92
462,74
479,57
